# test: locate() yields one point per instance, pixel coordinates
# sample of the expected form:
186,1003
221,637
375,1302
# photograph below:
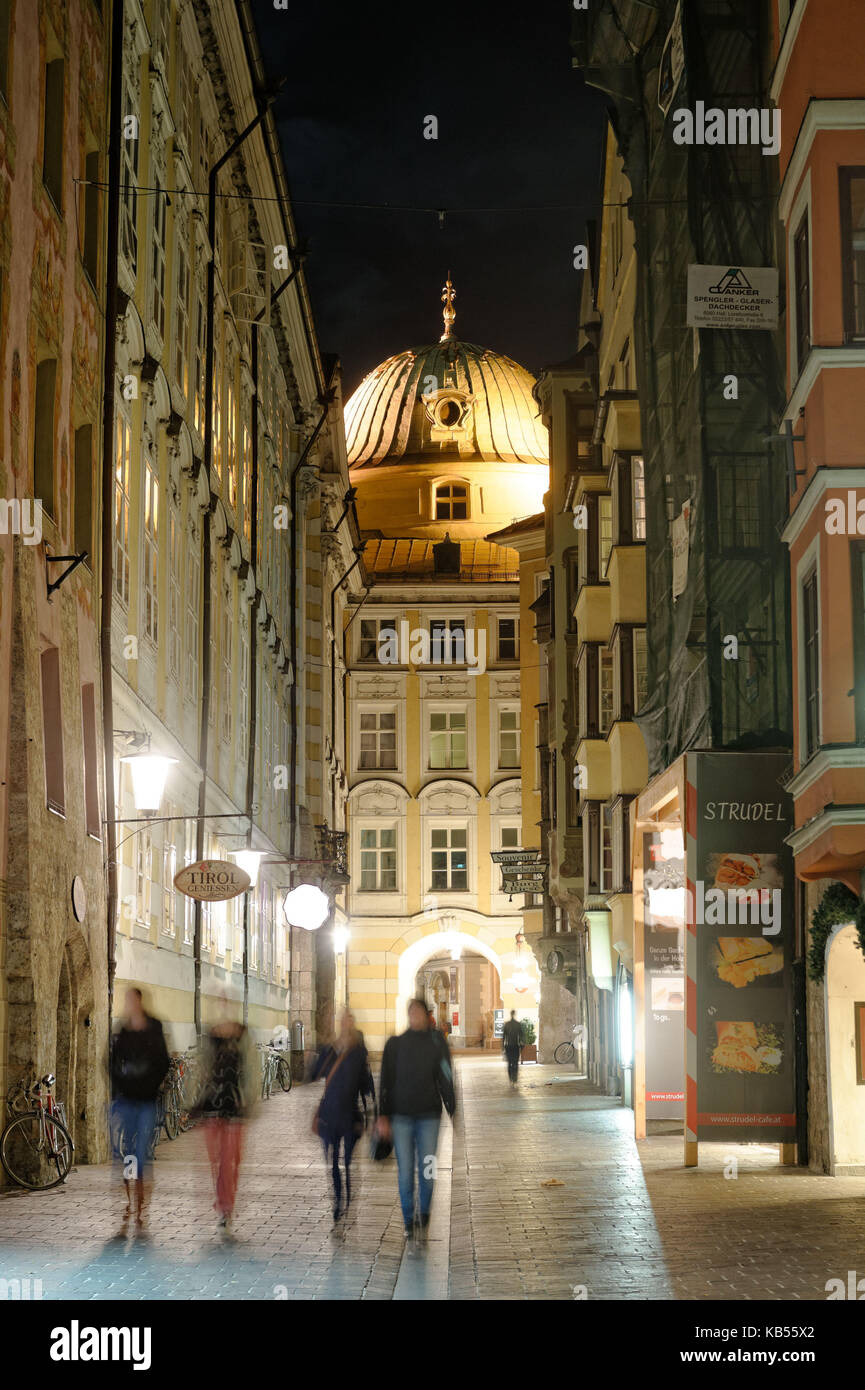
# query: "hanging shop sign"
725,296
212,880
524,881
664,963
672,63
739,948
498,1023
515,856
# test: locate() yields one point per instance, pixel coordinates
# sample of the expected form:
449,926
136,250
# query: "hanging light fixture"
340,940
306,906
148,771
520,980
250,861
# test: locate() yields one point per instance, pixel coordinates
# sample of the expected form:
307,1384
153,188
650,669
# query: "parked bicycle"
36,1147
275,1070
173,1106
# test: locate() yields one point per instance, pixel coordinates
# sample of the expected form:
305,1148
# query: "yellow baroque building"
445,449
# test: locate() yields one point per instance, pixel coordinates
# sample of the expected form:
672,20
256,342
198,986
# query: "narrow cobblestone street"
621,1220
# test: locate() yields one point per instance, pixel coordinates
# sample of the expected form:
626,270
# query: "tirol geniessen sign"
738,949
212,880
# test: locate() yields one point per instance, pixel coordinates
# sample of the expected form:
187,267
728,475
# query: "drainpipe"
206,540
107,540
358,552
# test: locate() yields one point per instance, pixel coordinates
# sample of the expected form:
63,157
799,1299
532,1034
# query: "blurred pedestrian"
512,1042
416,1077
139,1064
224,1102
340,1121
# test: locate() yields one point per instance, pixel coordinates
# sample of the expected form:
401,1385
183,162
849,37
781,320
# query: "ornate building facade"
445,448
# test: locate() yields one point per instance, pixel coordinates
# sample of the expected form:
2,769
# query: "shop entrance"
845,1052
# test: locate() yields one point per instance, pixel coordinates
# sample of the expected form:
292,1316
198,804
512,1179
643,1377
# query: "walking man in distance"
511,1046
416,1078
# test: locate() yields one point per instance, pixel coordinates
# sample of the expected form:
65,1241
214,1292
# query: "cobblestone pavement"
620,1220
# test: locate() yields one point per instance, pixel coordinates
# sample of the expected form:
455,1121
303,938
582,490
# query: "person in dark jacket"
416,1076
344,1064
139,1063
512,1042
225,1101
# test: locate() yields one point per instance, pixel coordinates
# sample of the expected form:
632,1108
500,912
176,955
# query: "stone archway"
845,994
428,947
75,1062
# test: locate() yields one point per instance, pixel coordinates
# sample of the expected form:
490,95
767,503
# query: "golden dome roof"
448,400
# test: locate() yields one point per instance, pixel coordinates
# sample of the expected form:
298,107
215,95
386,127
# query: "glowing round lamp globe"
306,906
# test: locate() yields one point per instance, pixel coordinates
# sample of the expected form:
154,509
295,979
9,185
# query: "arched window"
451,502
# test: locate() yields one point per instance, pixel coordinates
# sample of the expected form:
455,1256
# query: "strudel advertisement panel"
738,948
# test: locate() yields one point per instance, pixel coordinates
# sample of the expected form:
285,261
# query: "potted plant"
529,1051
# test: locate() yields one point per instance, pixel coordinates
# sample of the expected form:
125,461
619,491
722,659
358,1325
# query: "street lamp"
306,906
249,860
149,772
341,937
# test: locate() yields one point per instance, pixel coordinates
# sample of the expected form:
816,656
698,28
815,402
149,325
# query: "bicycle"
36,1147
565,1052
275,1068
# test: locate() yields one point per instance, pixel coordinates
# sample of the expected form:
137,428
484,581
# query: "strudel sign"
738,950
212,880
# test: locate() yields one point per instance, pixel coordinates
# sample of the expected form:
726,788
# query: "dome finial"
449,294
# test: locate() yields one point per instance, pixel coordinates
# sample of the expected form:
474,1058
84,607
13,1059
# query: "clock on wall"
555,961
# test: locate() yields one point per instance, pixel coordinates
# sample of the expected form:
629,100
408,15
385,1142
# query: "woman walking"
339,1121
224,1104
139,1063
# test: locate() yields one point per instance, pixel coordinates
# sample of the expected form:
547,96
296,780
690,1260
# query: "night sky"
517,127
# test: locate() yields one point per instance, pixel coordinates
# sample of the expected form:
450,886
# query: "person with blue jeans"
139,1063
416,1077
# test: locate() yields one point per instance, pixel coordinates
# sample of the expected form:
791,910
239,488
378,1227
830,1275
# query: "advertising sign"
212,880
729,296
523,882
498,1023
738,953
515,857
664,921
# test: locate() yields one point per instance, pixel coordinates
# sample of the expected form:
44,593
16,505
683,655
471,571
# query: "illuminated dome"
450,401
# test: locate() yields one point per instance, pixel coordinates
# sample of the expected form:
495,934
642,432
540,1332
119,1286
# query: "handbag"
316,1119
379,1149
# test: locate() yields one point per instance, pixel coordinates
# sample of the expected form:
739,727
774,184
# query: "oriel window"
853,250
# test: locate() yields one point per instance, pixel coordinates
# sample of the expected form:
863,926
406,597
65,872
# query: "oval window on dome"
449,412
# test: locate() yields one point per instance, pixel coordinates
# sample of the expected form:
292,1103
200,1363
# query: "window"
169,869
377,861
217,411
449,862
510,837
143,873
43,433
231,436
193,600
157,265
448,739
811,663
451,502
377,740
605,691
605,530
200,358
84,490
509,738
246,476
447,640
181,314
857,557
508,647
91,762
227,633
52,132
243,703
853,250
185,94
174,563
52,731
638,494
371,630
159,32
802,292
129,183
151,552
606,865
641,680
189,857
121,509
92,196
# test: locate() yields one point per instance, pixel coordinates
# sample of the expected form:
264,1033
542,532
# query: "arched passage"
430,947
845,1000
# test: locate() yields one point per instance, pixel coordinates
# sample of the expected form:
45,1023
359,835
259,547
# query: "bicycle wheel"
34,1156
283,1074
171,1114
564,1053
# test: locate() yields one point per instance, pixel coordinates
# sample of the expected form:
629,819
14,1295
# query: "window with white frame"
605,691
175,554
641,682
121,508
157,261
151,551
508,639
189,857
377,739
449,865
509,837
243,703
372,632
185,109
447,739
227,635
215,587
638,496
217,407
451,502
378,860
193,599
129,182
199,361
169,869
231,435
143,875
246,471
447,640
509,738
605,529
